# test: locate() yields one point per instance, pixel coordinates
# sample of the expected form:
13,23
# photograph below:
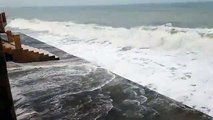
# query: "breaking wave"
176,62
165,36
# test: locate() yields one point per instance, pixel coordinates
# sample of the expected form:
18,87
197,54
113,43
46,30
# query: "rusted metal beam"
17,41
3,22
9,36
4,19
7,111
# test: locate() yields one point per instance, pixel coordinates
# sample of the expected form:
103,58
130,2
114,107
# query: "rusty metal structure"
18,52
7,111
12,49
3,22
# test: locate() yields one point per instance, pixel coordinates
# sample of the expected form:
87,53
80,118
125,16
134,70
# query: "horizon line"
146,3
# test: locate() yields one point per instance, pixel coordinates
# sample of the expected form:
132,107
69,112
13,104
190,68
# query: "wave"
166,36
167,59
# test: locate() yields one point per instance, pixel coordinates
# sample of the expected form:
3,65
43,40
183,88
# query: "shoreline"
56,87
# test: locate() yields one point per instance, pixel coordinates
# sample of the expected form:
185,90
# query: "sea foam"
165,36
176,62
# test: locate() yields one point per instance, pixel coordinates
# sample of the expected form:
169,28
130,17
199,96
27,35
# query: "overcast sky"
17,3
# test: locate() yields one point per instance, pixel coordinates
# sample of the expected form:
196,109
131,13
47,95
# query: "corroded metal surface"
3,22
17,52
6,101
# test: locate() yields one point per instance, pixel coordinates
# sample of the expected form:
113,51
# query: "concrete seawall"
75,89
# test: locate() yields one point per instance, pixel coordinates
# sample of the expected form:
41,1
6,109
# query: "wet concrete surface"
74,89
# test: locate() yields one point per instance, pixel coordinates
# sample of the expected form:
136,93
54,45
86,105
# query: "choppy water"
167,48
73,89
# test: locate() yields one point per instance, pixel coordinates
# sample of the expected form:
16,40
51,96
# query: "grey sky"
17,3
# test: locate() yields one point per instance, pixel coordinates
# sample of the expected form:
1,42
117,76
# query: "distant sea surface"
179,14
165,47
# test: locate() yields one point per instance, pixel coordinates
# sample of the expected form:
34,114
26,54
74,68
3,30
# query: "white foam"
177,62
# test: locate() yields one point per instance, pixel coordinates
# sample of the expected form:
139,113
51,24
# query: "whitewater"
176,62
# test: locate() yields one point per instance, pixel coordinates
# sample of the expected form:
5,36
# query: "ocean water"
165,47
180,15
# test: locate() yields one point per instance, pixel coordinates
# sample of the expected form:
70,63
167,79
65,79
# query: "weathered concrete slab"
74,89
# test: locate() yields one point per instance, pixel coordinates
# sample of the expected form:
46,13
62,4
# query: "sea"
166,47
